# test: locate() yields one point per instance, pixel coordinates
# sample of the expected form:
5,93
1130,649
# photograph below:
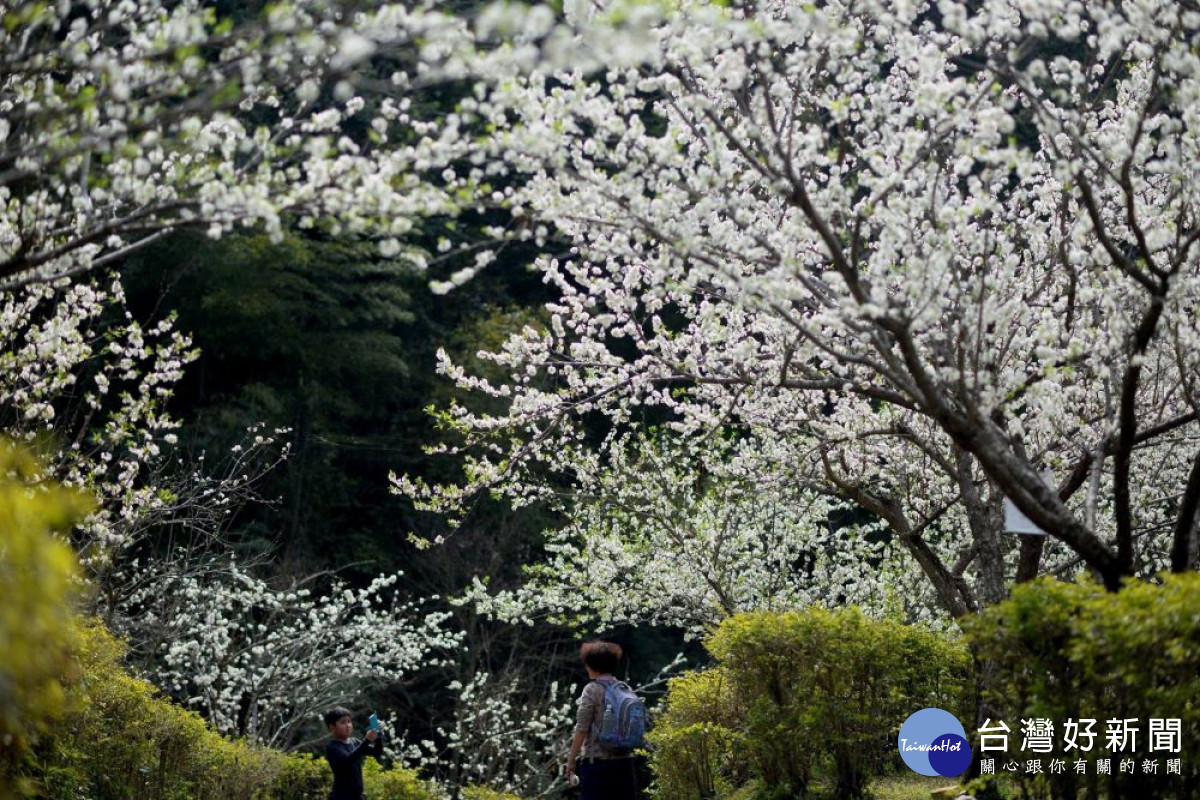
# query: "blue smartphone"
373,723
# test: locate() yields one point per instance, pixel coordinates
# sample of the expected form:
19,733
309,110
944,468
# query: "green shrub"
123,740
802,695
394,784
696,739
303,776
1074,651
36,579
486,793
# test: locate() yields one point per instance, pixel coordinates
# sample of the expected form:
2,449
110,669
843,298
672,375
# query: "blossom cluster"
120,121
699,538
930,252
262,661
505,732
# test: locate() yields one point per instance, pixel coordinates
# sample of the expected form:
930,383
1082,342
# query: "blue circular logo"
933,742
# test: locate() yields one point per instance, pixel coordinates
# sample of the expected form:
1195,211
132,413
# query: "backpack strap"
598,720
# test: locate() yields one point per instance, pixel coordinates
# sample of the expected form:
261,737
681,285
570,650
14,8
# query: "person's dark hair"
601,656
334,714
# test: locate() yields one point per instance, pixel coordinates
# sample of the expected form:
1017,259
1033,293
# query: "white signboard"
1015,520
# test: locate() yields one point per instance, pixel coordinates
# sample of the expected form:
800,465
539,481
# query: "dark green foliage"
302,334
803,696
1074,651
338,344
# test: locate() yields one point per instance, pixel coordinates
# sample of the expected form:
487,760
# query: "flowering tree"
696,540
931,250
265,661
89,385
124,120
506,731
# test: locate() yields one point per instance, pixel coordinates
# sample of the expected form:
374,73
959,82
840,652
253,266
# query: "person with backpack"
609,726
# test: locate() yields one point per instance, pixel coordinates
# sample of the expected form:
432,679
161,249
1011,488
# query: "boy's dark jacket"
345,759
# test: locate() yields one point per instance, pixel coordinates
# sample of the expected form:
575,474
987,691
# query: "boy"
345,755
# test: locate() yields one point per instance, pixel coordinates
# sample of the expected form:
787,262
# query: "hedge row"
120,739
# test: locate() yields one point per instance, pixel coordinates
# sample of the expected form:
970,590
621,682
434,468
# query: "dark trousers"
608,779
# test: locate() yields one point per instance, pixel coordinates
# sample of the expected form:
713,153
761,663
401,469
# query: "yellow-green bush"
1074,651
697,737
303,776
36,584
802,695
486,793
394,784
123,740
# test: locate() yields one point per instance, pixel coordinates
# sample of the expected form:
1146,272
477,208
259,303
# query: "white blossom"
922,260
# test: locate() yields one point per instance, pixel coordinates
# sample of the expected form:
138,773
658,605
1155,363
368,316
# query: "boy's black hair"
334,714
603,657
